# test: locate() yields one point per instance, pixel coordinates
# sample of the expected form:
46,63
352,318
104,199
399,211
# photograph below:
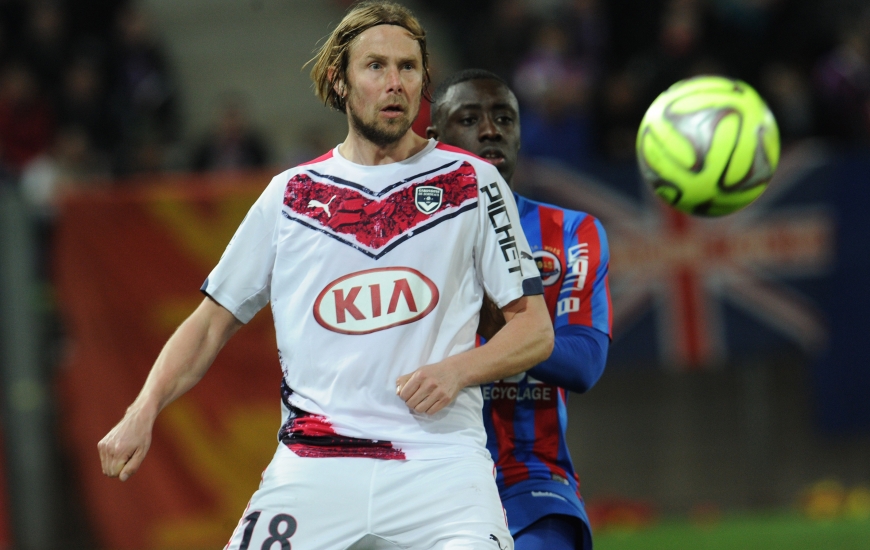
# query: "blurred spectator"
502,37
621,108
26,118
93,20
554,88
787,92
146,155
12,14
680,44
71,163
738,31
232,144
587,32
45,45
83,103
843,82
464,21
144,95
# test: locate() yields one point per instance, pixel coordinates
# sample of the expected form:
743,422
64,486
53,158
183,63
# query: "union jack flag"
686,269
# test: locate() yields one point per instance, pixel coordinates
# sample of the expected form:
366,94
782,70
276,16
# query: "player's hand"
123,449
429,388
491,319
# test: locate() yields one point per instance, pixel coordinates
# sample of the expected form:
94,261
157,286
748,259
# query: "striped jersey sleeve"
572,254
584,296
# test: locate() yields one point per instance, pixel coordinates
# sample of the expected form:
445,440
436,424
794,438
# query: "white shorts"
367,503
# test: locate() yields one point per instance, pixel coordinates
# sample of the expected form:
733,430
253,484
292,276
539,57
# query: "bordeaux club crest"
428,198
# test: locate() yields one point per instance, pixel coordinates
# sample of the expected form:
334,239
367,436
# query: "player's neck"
359,150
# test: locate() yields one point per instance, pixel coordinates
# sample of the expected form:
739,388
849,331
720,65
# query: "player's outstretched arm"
184,360
525,341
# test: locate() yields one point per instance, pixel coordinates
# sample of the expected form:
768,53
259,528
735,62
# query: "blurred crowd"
586,70
85,94
88,96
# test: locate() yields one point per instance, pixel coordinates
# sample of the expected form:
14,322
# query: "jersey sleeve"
584,298
241,281
578,358
502,254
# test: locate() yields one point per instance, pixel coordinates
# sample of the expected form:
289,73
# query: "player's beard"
381,132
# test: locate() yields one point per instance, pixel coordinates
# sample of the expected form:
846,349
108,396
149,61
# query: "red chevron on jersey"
374,223
312,435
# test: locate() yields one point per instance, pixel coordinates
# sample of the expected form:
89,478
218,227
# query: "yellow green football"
708,145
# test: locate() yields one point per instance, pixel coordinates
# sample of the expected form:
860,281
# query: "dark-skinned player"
525,415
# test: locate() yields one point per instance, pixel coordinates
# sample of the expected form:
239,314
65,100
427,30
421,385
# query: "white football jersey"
372,272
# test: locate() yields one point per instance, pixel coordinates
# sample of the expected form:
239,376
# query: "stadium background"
735,408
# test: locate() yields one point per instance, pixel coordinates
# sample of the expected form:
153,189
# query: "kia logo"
375,299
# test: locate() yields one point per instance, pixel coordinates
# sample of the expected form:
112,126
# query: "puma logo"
498,542
313,203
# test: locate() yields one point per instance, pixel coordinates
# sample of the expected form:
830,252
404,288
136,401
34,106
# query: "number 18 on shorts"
363,503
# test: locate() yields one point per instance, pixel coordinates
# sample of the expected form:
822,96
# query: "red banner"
129,266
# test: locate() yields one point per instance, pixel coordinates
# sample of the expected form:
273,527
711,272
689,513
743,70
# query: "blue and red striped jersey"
525,418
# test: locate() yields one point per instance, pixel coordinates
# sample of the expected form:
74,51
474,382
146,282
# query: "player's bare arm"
525,341
183,361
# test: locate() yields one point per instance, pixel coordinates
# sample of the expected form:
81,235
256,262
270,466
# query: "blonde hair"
335,51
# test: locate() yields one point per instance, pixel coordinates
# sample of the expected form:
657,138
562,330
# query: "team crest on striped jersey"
376,222
428,198
549,265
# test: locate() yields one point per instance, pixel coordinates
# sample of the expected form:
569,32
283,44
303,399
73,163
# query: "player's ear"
337,84
434,117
